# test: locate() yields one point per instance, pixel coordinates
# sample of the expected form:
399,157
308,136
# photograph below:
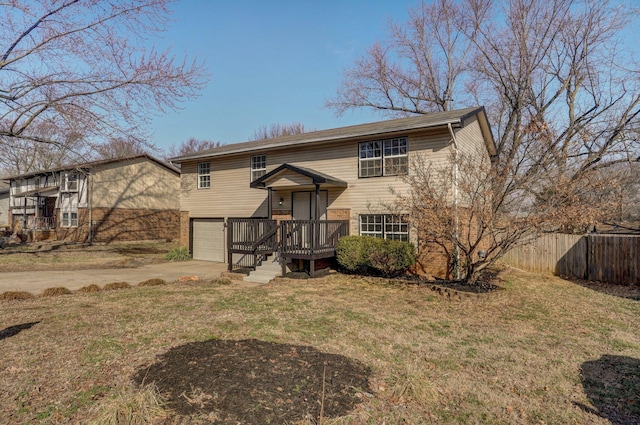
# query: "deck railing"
250,239
43,223
311,238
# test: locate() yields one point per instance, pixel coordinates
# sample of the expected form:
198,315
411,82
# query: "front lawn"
541,350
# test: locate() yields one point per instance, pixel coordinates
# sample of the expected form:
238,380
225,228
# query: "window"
204,175
386,157
384,226
69,219
69,210
70,182
258,166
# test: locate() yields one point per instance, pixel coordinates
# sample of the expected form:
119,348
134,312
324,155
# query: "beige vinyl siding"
469,139
231,196
136,184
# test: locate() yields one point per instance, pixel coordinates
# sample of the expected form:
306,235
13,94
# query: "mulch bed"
257,382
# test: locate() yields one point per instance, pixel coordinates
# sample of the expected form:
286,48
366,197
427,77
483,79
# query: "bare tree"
190,146
278,130
81,69
122,147
23,156
561,92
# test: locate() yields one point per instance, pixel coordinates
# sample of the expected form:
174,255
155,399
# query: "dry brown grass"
60,256
55,292
513,357
153,282
16,296
116,285
130,406
90,288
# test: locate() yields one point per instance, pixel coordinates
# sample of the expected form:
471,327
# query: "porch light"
281,201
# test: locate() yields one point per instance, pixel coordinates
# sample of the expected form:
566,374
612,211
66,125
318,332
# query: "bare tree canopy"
278,130
561,91
81,69
190,146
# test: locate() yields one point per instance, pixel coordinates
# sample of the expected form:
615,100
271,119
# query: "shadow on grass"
258,382
15,330
612,383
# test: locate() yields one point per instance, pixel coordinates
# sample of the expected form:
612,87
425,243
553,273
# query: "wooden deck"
252,239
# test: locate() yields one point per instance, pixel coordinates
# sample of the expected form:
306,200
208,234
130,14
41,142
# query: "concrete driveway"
35,282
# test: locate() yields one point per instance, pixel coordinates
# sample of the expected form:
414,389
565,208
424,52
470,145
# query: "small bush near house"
116,285
361,254
180,253
16,296
392,258
54,292
91,288
153,282
352,252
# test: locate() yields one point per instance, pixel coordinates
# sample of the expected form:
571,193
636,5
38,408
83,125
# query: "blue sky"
270,62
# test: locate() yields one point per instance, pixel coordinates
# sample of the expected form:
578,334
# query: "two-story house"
296,195
132,198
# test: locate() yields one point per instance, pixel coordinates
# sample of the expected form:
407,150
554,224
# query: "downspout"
456,172
90,199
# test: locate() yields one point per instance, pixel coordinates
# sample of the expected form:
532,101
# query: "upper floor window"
386,157
204,175
384,226
70,183
258,166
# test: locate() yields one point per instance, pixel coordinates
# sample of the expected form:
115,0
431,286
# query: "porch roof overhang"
42,191
273,179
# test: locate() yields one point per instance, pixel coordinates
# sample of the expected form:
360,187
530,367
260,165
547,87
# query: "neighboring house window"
386,157
384,226
37,182
258,166
69,210
204,175
70,182
69,219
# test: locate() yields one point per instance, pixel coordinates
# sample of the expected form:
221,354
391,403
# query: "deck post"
312,268
269,203
316,222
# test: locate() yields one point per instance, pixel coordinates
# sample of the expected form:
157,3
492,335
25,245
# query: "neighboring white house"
131,198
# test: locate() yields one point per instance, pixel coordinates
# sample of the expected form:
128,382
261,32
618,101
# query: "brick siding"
120,224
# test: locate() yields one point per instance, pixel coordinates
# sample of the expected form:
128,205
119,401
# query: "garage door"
208,239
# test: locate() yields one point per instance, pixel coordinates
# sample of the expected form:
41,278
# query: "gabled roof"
315,176
94,164
402,125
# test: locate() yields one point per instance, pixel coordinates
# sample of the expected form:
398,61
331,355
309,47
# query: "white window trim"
256,173
66,179
386,220
382,158
201,174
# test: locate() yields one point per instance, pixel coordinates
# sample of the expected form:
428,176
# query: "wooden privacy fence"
605,258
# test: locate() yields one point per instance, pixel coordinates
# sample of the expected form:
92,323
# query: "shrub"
54,292
16,296
352,252
360,254
91,288
392,258
116,285
180,253
153,282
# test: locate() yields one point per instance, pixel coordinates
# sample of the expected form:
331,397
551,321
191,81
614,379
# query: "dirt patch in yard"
252,381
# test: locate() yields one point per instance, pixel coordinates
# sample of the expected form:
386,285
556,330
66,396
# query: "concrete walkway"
35,282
